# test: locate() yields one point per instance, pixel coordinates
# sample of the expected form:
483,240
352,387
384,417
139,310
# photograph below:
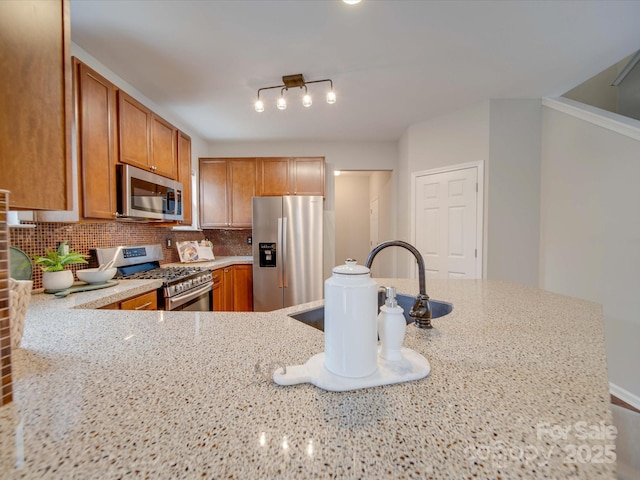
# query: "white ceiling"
393,63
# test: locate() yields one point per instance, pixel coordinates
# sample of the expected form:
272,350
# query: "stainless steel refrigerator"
287,251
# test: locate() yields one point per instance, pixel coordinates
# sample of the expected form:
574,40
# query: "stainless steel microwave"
146,196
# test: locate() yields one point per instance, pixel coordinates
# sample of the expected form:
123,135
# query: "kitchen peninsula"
518,389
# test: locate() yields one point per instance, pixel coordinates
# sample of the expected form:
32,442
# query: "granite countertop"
518,389
219,262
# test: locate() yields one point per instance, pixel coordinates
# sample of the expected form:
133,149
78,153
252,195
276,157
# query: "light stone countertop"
219,262
518,389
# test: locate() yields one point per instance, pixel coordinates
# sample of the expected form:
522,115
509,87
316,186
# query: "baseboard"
624,395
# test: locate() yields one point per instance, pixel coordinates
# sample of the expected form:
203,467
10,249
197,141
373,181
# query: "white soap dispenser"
392,327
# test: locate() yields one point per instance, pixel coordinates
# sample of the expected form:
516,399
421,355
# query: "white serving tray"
413,366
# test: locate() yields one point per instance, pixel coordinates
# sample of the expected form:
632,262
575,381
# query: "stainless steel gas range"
184,288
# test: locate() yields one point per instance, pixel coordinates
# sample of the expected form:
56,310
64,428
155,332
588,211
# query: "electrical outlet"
249,240
169,243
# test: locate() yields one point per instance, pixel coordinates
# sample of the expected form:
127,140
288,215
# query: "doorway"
447,220
363,206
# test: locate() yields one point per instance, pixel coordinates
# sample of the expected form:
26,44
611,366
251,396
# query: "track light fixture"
291,81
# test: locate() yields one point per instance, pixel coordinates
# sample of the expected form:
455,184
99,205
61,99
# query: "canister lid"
351,267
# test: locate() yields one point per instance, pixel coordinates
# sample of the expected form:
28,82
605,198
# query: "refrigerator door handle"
285,282
280,264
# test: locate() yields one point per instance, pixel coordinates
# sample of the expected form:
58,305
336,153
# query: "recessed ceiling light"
351,2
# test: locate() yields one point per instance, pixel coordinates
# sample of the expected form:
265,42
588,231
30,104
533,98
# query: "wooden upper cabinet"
97,135
227,188
134,125
184,175
307,175
36,104
290,176
163,147
147,141
213,193
273,176
242,189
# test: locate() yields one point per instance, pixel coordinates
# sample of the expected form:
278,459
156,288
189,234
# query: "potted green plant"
54,275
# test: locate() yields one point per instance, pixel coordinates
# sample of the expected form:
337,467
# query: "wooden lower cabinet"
146,301
218,298
243,288
233,289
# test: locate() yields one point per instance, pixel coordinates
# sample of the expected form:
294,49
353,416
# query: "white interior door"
446,223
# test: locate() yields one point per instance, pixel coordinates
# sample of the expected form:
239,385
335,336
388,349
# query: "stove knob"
178,287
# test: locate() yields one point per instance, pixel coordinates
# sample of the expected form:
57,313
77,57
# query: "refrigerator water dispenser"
267,254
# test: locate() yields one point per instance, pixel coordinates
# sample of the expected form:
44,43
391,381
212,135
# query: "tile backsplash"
6,386
82,237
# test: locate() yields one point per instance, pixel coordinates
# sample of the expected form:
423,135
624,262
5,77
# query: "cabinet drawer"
148,301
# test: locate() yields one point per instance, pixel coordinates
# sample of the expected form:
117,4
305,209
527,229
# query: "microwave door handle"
176,203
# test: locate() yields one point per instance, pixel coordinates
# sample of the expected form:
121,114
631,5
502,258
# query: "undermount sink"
315,317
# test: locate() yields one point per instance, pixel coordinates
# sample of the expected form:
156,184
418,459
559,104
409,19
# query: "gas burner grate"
166,274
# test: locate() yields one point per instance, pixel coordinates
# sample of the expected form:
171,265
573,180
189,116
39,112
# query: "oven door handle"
179,300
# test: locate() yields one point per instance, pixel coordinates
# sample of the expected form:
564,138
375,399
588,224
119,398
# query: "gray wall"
457,138
590,234
629,94
352,218
505,134
513,191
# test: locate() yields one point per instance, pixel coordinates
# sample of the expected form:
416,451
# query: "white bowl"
92,275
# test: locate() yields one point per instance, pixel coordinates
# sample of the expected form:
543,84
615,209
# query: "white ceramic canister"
350,321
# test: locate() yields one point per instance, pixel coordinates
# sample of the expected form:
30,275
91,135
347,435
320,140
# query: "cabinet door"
96,106
184,175
243,288
218,290
147,301
242,189
273,176
163,147
36,104
228,284
213,193
307,175
134,121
